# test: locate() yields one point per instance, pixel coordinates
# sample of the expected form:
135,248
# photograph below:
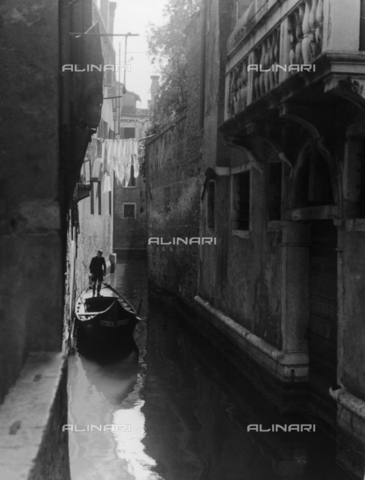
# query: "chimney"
104,10
155,86
112,8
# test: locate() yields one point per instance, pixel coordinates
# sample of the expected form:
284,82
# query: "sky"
134,16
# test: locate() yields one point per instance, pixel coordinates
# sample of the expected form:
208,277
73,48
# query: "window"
241,201
128,132
312,184
211,195
275,187
129,210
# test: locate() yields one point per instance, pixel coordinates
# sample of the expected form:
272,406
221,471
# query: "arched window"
312,183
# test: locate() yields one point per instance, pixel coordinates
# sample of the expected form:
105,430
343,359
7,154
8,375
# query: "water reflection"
96,391
186,409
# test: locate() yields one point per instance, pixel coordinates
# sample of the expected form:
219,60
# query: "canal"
170,408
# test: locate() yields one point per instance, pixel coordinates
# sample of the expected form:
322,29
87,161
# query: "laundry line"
118,156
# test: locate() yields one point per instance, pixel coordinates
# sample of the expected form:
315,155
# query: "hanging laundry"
120,164
99,147
105,155
115,153
135,158
119,156
97,168
110,160
107,186
127,162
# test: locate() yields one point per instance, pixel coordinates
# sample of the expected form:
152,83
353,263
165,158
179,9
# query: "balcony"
280,47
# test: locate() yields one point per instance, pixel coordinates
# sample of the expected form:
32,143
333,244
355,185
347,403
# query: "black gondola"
108,317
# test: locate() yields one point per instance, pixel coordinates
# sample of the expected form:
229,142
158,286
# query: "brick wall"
174,188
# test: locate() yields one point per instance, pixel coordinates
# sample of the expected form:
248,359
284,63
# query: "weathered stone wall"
130,234
353,307
33,389
30,241
173,211
240,276
174,187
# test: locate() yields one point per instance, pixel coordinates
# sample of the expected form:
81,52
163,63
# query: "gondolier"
97,271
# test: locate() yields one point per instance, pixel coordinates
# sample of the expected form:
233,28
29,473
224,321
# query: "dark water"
177,410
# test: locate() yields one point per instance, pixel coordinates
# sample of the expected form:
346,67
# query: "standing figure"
97,271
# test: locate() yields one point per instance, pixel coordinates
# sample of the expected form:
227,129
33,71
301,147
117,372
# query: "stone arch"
318,143
314,180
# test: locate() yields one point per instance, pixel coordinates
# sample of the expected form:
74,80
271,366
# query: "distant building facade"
130,228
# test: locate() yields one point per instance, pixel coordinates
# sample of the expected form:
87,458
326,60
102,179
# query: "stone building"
281,187
130,229
49,114
91,210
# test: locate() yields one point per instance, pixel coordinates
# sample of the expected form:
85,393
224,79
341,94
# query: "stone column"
295,288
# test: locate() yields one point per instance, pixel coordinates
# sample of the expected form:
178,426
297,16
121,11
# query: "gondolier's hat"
99,251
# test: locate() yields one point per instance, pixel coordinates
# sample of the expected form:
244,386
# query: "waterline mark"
69,67
98,428
183,241
294,67
294,427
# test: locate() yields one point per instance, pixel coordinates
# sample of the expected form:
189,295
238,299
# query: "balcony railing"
285,38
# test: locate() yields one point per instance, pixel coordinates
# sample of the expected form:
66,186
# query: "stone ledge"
350,431
287,367
32,445
349,401
355,225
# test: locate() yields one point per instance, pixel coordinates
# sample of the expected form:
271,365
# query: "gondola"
108,317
